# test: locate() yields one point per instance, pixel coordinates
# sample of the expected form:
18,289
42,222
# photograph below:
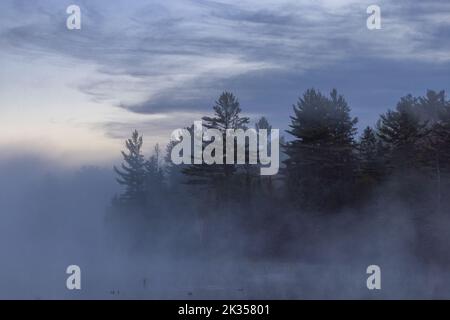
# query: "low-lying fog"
51,218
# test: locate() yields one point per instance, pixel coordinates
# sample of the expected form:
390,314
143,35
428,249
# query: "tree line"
326,167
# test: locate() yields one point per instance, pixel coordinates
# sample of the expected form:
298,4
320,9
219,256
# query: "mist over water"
53,217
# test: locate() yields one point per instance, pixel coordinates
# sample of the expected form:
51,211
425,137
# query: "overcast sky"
158,65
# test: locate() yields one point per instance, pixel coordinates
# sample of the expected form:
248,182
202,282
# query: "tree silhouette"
227,115
402,131
132,173
371,155
321,166
154,175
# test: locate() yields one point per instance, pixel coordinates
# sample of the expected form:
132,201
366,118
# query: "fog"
53,217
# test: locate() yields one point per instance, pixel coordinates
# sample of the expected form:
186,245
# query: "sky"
155,66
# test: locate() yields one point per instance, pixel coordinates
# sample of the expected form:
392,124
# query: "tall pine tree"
219,177
437,144
132,172
320,170
370,150
402,131
154,174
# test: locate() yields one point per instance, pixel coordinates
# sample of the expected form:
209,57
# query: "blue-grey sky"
159,65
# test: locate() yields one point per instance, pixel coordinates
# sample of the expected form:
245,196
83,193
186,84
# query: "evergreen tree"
402,131
132,173
437,143
371,155
431,106
173,173
227,115
154,172
437,110
263,123
441,134
321,166
404,134
265,187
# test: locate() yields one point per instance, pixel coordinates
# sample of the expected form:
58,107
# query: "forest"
331,181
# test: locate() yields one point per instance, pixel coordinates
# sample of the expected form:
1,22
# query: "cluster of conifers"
324,164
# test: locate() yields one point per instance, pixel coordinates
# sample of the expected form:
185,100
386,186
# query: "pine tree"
263,123
437,110
437,143
404,134
227,115
402,131
154,172
132,172
371,155
441,132
321,166
173,173
265,187
431,106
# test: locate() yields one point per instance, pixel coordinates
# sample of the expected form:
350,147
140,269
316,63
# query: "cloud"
175,56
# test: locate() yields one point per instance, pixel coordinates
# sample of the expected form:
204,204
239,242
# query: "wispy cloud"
161,57
171,55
